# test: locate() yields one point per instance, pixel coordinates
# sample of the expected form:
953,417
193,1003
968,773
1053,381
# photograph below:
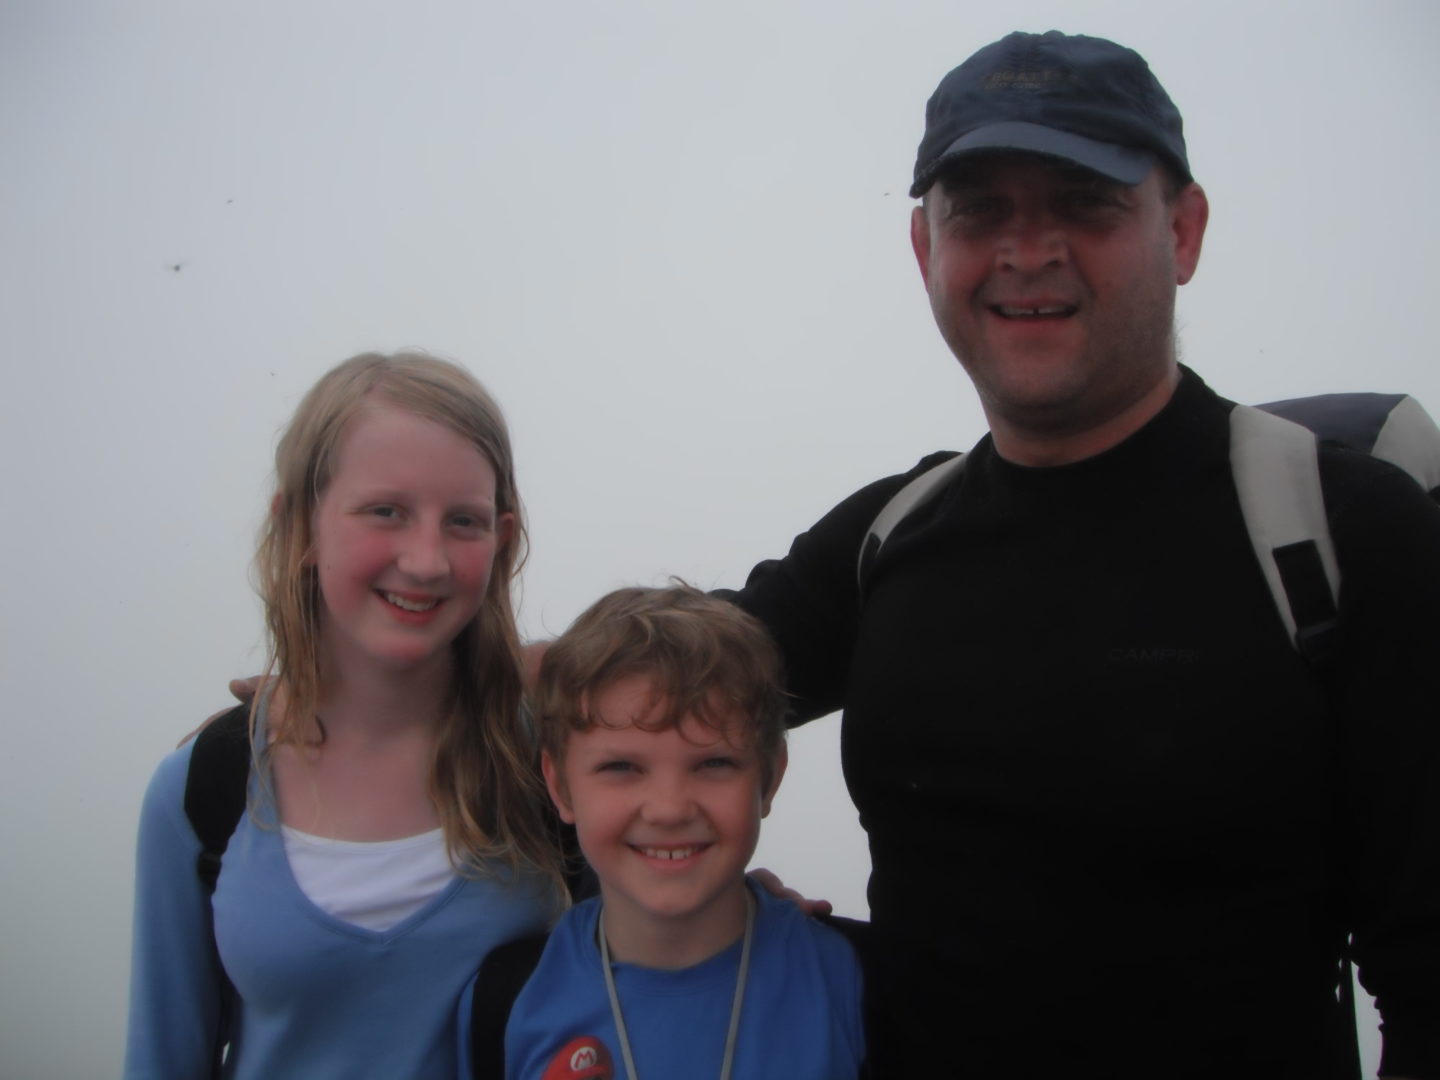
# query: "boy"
662,730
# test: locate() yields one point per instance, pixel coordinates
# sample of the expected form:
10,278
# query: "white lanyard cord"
730,1036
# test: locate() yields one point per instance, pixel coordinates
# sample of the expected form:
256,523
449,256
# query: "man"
1119,827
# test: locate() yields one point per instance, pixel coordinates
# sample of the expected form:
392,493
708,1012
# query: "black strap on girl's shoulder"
215,789
216,785
503,974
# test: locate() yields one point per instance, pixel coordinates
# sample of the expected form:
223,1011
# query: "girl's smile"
405,535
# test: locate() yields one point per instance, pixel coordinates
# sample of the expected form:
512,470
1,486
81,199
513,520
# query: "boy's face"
667,819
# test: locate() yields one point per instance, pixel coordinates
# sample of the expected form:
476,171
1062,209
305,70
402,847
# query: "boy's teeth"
410,605
668,853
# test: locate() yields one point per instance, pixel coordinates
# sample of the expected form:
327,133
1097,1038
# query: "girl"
394,832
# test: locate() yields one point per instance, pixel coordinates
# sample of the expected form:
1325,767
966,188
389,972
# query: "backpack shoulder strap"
1276,467
1393,427
1277,477
580,880
503,974
904,502
1411,440
216,786
859,933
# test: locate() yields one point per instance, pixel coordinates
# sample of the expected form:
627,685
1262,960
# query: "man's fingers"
243,690
767,880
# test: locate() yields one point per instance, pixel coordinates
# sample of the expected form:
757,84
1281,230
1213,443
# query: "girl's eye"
616,766
386,512
720,763
470,522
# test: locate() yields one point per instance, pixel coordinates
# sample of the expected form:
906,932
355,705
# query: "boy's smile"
668,819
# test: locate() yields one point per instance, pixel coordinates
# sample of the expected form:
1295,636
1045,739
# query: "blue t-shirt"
800,1020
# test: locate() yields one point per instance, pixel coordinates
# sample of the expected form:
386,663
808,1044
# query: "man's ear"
555,784
777,773
1188,216
920,241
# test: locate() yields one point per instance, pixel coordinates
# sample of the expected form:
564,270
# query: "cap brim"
1122,163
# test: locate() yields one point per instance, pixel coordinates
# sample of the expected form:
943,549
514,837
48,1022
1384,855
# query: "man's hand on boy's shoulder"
768,881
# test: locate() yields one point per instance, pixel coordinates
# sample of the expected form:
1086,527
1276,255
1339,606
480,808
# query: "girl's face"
405,535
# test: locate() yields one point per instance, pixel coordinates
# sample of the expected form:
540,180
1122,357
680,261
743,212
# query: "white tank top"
375,885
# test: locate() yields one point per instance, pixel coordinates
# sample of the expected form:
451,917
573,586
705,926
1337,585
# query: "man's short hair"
704,658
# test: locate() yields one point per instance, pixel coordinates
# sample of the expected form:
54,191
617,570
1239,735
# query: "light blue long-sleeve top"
316,997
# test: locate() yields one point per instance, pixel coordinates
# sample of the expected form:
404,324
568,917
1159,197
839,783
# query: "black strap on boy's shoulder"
215,787
580,880
503,975
860,934
857,931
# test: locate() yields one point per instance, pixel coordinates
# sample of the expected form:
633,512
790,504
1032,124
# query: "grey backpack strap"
1277,477
1408,439
1392,427
913,495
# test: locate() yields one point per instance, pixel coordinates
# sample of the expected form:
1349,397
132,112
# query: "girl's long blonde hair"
483,780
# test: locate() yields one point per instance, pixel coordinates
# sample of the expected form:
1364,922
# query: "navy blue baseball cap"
1083,99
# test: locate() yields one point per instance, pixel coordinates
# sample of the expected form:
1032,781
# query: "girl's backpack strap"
216,786
503,974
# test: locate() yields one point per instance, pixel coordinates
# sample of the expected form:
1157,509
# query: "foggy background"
670,237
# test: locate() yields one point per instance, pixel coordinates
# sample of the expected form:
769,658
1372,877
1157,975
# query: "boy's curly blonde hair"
704,657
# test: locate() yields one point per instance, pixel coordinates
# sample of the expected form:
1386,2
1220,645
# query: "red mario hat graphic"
585,1058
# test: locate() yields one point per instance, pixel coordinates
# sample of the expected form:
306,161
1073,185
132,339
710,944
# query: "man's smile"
1035,311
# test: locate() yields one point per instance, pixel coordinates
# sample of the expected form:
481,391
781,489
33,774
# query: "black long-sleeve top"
1118,826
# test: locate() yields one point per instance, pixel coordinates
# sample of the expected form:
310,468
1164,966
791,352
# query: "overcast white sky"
670,237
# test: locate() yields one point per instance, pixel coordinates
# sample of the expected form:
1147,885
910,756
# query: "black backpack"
1273,455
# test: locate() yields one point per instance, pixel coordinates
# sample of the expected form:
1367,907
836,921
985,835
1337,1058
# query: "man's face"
1055,287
